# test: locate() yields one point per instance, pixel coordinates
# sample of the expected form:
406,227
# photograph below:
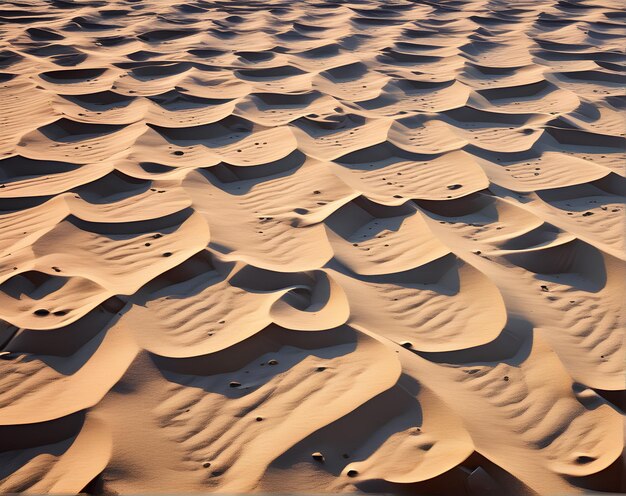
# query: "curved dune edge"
413,308
312,247
554,425
65,384
439,444
67,472
323,306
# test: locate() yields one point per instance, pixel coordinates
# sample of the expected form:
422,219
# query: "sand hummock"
312,246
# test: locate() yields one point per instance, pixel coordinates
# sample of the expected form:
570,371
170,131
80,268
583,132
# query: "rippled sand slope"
312,246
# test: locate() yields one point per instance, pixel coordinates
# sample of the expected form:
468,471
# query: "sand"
312,246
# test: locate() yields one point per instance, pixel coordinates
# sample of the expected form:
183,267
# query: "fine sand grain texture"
312,246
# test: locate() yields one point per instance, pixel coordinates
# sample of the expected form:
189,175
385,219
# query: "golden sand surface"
312,246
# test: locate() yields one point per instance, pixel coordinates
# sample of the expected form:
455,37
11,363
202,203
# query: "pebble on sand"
318,457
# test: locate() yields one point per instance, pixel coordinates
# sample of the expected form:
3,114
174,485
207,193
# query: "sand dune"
336,246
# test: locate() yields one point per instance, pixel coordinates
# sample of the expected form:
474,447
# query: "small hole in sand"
352,473
41,312
585,459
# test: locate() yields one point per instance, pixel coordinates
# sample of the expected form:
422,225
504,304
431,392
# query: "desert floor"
312,246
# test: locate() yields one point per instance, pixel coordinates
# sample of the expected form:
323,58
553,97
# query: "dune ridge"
335,246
